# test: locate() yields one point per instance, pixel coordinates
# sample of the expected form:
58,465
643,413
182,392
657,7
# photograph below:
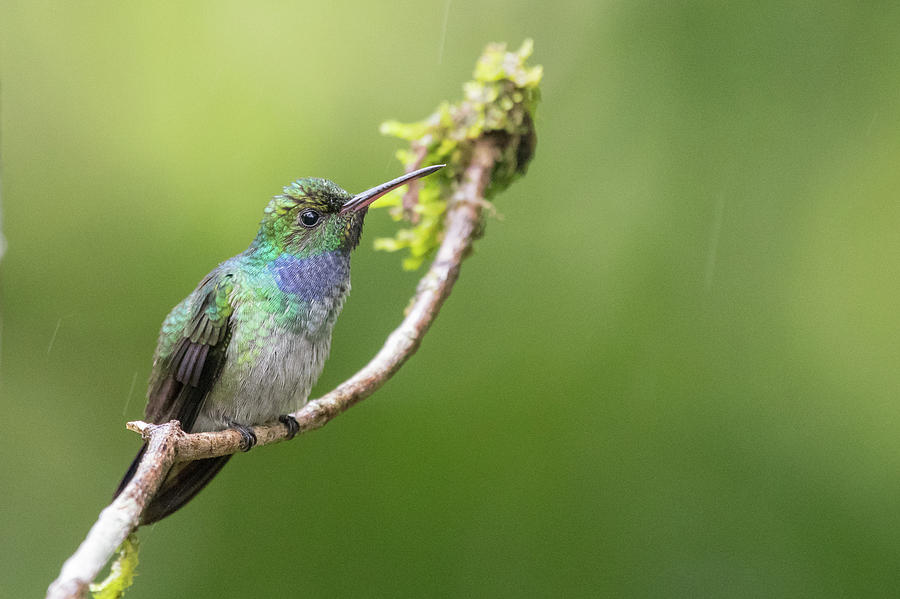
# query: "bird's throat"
312,278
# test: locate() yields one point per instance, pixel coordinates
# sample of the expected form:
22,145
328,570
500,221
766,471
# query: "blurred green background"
670,370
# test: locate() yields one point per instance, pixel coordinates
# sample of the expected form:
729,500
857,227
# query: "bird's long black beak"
362,200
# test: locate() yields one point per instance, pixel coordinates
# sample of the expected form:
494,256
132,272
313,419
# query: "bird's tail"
184,480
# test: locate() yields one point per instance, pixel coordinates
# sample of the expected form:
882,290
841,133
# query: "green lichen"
498,102
121,573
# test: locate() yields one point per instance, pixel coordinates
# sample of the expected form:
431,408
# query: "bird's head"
315,215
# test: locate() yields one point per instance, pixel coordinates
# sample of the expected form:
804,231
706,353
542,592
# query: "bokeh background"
670,370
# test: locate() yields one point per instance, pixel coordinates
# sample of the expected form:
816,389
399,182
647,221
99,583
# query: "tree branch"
168,444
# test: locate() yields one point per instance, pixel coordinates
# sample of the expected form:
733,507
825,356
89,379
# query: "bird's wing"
191,351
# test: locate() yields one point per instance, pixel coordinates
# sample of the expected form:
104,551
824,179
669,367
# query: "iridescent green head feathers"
315,216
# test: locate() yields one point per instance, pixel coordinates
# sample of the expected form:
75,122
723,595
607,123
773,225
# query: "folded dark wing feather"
182,378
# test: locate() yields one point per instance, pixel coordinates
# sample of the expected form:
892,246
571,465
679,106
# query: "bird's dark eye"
309,218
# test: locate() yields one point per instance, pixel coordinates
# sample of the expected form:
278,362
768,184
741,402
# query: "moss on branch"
499,102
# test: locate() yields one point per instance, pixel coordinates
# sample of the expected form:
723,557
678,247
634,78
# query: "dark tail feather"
131,470
183,482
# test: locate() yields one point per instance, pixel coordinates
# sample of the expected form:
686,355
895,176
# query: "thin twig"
168,444
411,196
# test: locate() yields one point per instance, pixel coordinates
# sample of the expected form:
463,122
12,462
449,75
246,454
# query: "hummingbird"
247,345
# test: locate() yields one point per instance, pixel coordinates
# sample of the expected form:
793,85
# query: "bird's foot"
248,437
291,423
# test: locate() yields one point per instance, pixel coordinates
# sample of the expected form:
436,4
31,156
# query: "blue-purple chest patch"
312,278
